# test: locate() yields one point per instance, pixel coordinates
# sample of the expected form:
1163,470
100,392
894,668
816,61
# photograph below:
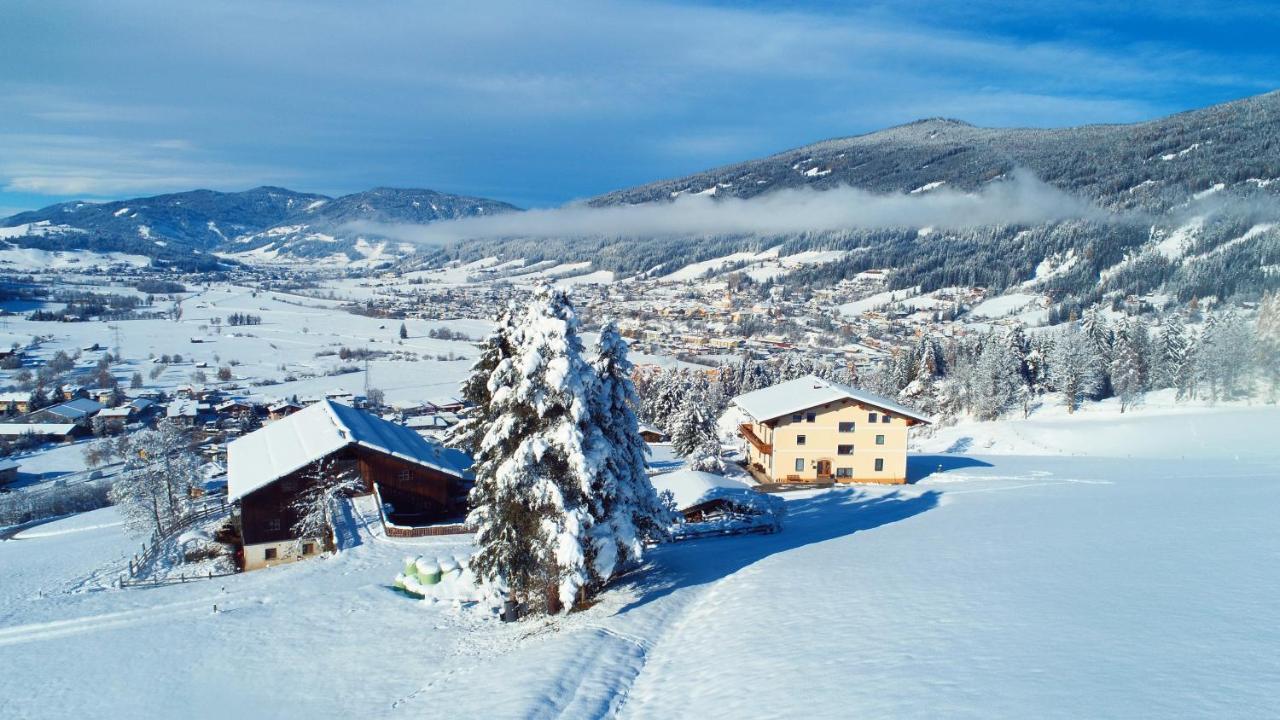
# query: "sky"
540,104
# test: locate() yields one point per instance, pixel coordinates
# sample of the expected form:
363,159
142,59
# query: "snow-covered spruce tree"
1074,366
1102,339
626,508
1225,354
1267,343
153,490
694,426
668,390
531,503
496,347
1128,363
1169,355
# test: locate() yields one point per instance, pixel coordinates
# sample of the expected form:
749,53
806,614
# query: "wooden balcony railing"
760,445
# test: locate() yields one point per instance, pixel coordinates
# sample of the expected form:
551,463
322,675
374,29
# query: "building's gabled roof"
292,443
75,409
811,391
19,429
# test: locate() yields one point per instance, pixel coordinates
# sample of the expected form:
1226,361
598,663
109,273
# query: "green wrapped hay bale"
428,571
448,566
410,563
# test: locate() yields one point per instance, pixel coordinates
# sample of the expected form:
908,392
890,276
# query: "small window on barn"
289,485
308,548
846,427
844,449
879,464
811,417
799,464
844,472
800,439
879,439
404,476
269,554
273,524
871,417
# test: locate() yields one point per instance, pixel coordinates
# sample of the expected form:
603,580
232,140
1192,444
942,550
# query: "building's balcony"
761,446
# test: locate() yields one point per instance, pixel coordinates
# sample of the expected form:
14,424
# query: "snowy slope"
1043,585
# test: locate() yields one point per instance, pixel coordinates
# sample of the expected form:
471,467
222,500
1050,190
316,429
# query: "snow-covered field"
294,329
1092,566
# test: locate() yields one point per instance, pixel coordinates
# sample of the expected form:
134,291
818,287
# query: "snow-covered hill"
262,224
1049,584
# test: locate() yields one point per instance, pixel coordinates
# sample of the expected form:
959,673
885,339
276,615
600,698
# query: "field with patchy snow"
1092,566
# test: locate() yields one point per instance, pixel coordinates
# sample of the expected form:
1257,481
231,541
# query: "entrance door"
824,469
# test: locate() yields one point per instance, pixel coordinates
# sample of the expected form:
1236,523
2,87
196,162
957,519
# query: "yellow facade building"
814,430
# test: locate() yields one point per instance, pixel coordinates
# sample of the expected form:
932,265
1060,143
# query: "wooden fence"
151,550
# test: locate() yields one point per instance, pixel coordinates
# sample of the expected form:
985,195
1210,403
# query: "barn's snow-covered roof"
291,443
811,391
689,487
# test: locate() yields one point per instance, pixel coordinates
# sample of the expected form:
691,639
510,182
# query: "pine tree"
1170,353
1074,366
1128,365
534,474
1267,342
496,347
693,426
1225,354
627,510
404,332
1095,327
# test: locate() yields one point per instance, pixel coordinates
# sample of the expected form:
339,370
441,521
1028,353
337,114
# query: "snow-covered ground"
1091,566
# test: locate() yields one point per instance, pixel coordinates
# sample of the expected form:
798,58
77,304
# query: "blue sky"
539,104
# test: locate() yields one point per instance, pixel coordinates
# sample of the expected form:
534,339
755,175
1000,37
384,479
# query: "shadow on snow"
833,514
837,513
921,466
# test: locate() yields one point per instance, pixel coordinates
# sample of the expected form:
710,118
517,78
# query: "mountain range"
200,227
1191,201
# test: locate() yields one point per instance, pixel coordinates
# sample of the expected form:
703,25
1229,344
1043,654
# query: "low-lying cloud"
1023,199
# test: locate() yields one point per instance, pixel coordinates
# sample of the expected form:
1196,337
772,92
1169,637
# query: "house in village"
813,430
15,402
419,482
282,410
79,411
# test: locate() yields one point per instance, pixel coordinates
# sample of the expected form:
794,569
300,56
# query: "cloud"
83,165
538,102
1018,200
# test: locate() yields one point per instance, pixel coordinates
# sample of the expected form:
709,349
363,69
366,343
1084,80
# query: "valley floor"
1037,584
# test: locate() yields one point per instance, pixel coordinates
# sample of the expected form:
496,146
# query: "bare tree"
323,483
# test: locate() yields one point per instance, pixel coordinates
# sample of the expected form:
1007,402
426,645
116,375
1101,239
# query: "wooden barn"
420,481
